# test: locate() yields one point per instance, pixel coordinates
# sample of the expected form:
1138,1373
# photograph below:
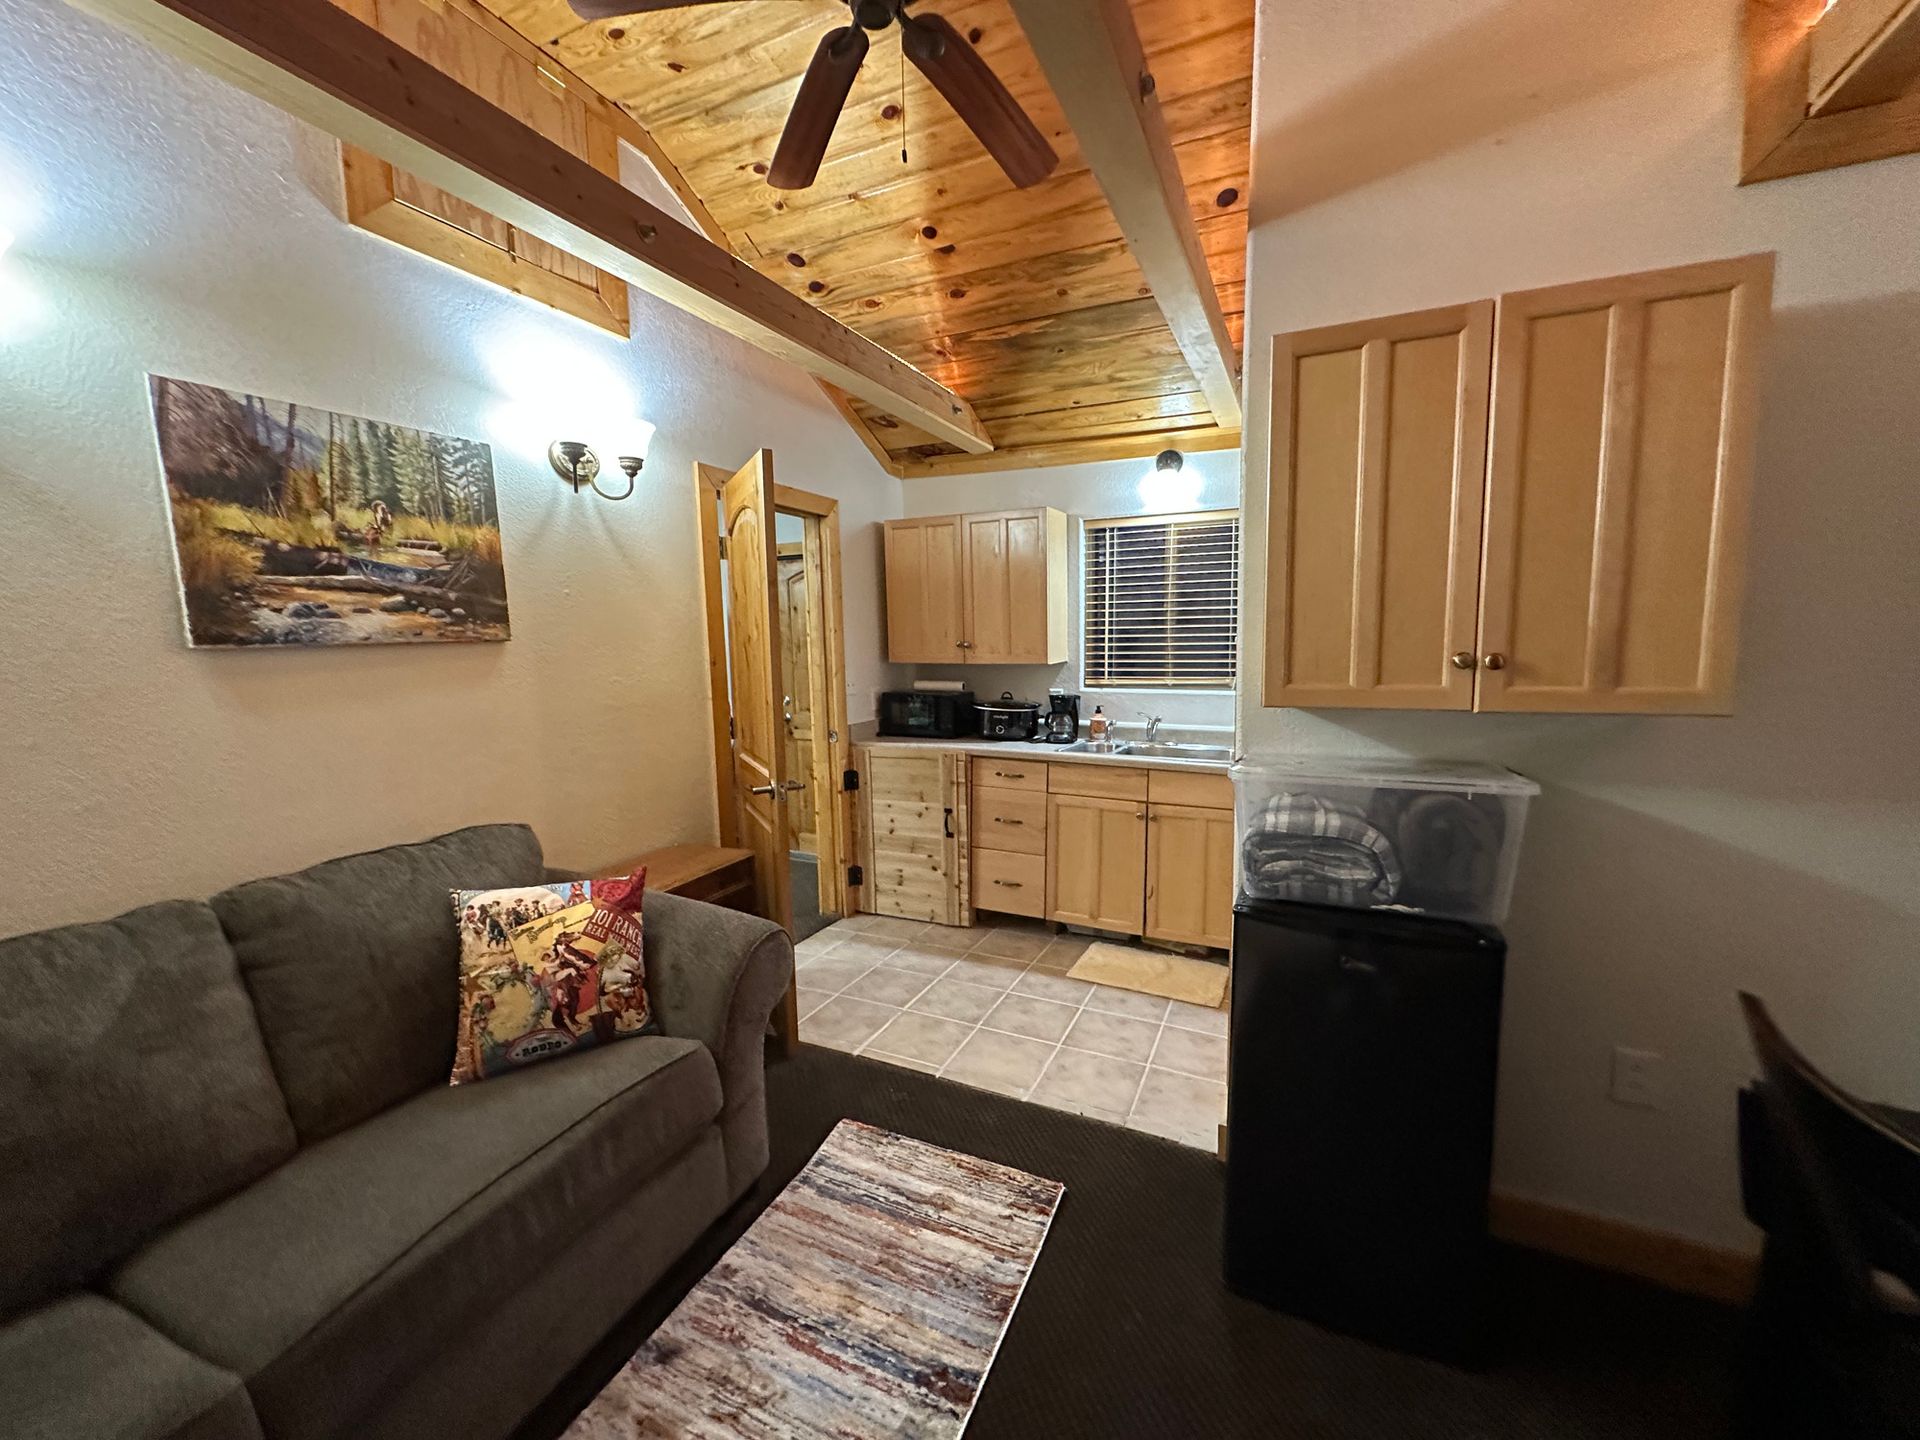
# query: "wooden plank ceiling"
1025,302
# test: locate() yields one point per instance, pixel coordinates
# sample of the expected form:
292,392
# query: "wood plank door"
754,665
1617,490
1097,862
1373,510
917,854
1190,875
925,619
1014,563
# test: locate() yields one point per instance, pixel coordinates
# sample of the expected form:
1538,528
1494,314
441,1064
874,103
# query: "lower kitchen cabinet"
1096,855
916,826
1190,875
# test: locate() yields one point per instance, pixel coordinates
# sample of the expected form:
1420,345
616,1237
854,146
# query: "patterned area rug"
867,1300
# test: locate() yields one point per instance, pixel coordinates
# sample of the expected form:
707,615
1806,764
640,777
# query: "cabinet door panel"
1190,875
923,591
1374,501
1016,587
1617,490
917,857
1096,862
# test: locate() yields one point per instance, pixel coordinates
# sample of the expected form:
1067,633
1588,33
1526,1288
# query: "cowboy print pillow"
546,970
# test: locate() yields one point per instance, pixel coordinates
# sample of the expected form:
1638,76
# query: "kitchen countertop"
1034,750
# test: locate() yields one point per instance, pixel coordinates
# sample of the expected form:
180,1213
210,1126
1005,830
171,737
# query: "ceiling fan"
937,50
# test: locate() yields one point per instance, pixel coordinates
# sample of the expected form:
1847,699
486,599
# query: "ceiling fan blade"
943,55
607,9
817,107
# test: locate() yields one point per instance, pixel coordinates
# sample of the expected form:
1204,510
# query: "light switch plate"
1638,1077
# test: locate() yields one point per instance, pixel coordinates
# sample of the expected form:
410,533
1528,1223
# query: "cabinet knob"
1495,661
964,644
1463,660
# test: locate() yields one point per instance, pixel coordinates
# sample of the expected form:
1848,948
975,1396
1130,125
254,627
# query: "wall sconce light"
576,463
1169,460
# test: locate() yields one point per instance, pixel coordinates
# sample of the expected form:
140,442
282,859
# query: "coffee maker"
1061,724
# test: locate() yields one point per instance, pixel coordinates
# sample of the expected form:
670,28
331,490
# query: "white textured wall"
1443,150
167,222
1209,480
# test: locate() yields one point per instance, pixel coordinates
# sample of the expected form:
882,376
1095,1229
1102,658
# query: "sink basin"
1218,753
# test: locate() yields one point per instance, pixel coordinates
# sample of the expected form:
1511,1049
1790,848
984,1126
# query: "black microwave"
930,714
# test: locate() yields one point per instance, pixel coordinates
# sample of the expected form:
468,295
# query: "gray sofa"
239,1199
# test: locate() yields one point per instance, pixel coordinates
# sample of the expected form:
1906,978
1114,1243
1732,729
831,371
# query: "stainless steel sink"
1218,754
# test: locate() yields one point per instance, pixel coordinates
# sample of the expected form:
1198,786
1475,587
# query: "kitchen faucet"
1153,728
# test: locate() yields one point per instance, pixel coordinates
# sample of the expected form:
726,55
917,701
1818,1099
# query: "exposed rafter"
327,68
1093,60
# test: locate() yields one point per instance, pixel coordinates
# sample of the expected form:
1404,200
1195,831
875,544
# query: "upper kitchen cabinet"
1379,448
1617,490
1578,548
463,41
986,589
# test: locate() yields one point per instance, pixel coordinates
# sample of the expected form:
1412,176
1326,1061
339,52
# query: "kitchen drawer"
1011,773
1190,787
1009,820
1104,782
1010,883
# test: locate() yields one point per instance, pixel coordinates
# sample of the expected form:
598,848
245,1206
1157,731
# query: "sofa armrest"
716,976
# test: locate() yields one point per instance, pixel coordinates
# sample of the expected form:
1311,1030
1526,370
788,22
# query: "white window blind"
1161,597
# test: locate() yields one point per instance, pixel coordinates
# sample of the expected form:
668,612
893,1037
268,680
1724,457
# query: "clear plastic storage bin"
1422,837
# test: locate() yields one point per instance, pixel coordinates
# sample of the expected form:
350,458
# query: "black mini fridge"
1360,1120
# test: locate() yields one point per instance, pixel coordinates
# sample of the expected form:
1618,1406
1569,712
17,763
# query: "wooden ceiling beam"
1092,57
1072,452
1865,52
325,67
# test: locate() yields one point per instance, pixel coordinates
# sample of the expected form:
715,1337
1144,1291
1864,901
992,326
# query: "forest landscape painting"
300,526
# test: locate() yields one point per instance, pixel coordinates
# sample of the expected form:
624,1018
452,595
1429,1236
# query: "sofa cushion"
136,1091
355,967
83,1368
330,1280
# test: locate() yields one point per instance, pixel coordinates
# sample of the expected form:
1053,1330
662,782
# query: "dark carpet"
1126,1329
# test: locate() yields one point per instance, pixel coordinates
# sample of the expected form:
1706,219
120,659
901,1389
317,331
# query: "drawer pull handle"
1011,884
1009,774
1003,820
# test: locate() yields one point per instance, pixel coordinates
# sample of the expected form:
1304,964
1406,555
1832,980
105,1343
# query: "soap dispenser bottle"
1099,728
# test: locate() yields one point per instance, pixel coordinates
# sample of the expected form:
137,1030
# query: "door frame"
834,810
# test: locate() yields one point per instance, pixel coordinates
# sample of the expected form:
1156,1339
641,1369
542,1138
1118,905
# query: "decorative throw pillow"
546,970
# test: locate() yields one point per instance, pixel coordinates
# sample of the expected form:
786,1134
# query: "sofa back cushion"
354,967
134,1089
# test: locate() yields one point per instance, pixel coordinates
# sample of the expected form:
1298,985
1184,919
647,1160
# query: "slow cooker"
1008,718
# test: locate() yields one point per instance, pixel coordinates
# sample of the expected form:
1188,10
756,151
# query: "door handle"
946,822
792,785
784,787
762,789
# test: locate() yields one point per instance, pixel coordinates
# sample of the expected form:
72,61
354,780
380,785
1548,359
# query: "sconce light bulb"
1169,460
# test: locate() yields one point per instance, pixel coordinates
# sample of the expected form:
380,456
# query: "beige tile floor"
992,1006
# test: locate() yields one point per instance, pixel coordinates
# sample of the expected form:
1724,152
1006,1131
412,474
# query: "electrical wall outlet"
1638,1077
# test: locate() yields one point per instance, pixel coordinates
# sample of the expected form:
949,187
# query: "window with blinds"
1161,596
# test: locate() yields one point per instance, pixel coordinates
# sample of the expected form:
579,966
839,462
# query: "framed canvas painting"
294,525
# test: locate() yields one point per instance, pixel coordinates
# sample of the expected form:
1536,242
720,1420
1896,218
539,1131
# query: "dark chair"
1834,1340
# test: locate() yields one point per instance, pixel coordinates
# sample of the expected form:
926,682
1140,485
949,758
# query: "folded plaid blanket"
1299,847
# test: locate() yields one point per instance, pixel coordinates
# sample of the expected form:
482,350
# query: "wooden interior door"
1190,875
754,664
924,619
1374,508
797,668
1097,862
1617,490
